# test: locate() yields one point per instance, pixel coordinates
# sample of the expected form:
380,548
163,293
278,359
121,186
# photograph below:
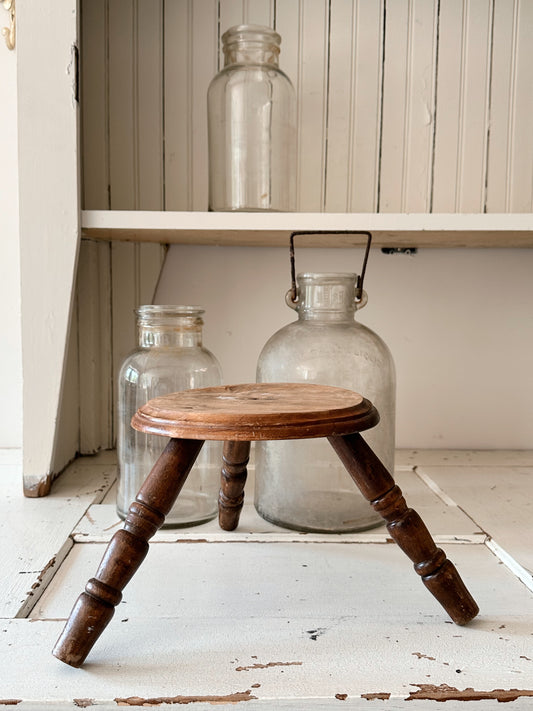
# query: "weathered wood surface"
202,639
35,533
259,411
252,623
500,500
447,523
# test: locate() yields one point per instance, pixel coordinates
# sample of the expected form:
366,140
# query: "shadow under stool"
238,415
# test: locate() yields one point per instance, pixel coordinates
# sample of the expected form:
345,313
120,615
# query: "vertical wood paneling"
177,113
354,111
503,84
135,272
231,12
522,113
408,106
423,144
190,62
95,353
259,12
204,66
462,106
304,27
122,105
135,104
94,104
149,104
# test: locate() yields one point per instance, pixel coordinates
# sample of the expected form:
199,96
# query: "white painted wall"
459,324
10,343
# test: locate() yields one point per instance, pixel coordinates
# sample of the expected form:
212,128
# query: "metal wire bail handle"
361,297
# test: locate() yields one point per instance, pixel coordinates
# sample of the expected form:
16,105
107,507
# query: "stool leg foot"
233,478
406,527
127,549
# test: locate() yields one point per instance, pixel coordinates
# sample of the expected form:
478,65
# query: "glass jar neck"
251,44
326,297
169,326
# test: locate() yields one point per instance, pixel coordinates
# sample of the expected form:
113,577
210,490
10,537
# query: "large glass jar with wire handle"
302,484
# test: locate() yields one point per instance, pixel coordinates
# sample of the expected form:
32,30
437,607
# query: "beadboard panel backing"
113,280
420,106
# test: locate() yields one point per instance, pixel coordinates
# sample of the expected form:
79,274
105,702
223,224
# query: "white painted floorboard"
444,521
271,618
498,498
35,533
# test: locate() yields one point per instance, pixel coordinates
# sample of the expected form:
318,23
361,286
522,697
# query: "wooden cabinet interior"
414,122
403,108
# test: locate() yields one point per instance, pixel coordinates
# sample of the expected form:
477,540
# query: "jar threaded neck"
169,326
326,296
251,44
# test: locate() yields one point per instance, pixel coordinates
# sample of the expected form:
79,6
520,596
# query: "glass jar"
170,357
251,110
302,484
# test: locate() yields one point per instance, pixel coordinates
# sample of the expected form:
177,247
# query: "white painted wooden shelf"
273,229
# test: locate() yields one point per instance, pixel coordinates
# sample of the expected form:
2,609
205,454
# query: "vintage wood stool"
238,415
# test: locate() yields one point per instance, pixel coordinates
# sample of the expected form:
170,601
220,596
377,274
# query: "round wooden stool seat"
263,411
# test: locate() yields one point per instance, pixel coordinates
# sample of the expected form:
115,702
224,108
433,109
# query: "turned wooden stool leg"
406,527
127,549
233,478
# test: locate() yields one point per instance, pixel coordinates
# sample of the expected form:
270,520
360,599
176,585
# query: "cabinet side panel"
49,224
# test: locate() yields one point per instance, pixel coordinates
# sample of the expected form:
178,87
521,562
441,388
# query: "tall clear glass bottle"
170,357
251,110
302,484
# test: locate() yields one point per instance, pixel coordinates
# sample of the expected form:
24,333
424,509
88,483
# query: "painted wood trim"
271,229
49,224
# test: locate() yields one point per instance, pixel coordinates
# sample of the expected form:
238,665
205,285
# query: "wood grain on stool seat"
262,411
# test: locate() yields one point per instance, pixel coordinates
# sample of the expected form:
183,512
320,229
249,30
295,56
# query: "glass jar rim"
246,33
332,276
147,310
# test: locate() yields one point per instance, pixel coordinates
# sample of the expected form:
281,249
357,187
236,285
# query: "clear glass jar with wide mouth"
170,357
302,484
251,109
